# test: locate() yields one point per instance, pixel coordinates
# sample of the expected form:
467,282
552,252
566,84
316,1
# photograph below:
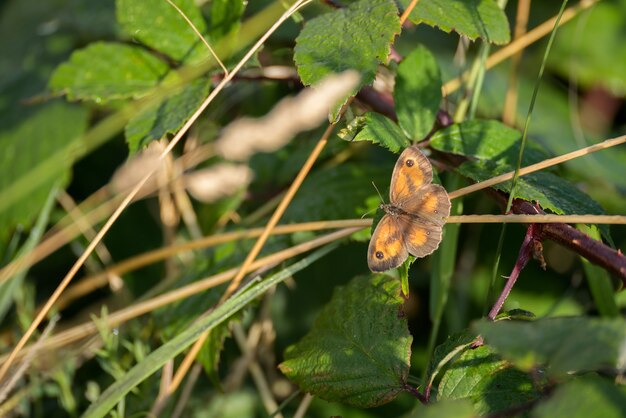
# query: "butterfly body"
415,216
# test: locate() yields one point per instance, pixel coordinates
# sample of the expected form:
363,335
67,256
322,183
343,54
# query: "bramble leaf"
563,345
379,129
494,149
358,351
90,75
482,377
586,396
417,93
165,118
160,26
357,37
472,18
348,192
444,409
24,146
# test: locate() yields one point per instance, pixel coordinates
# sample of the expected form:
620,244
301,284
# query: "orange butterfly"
415,217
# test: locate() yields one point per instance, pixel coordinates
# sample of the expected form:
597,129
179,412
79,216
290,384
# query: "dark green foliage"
135,72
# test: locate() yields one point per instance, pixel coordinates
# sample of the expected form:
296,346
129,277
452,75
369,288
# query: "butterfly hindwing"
430,202
386,249
421,237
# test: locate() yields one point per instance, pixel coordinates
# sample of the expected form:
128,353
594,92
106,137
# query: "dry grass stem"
407,11
204,41
304,406
123,315
256,249
116,214
256,372
539,166
66,201
539,219
9,384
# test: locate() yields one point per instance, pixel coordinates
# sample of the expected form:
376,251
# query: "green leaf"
211,351
587,396
417,93
348,192
25,144
444,409
562,344
225,17
472,18
599,280
495,148
358,350
481,377
160,26
551,191
171,349
444,354
357,37
379,129
91,75
165,118
486,140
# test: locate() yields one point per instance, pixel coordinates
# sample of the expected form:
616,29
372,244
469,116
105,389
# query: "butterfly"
415,216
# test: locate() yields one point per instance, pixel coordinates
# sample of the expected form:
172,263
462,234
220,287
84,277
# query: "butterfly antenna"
381,198
378,191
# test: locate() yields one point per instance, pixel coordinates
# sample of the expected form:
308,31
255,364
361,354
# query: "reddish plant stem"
533,235
582,244
415,393
378,101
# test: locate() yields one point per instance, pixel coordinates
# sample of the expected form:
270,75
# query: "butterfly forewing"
412,171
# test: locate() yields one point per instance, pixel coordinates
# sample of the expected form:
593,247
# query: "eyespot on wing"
411,172
386,248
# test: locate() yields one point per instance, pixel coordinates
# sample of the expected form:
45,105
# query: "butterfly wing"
430,202
425,205
417,228
412,172
421,237
386,249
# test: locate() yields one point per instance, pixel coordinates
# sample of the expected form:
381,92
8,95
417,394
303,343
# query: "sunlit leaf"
160,26
379,129
483,378
357,37
358,350
472,18
90,74
417,93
